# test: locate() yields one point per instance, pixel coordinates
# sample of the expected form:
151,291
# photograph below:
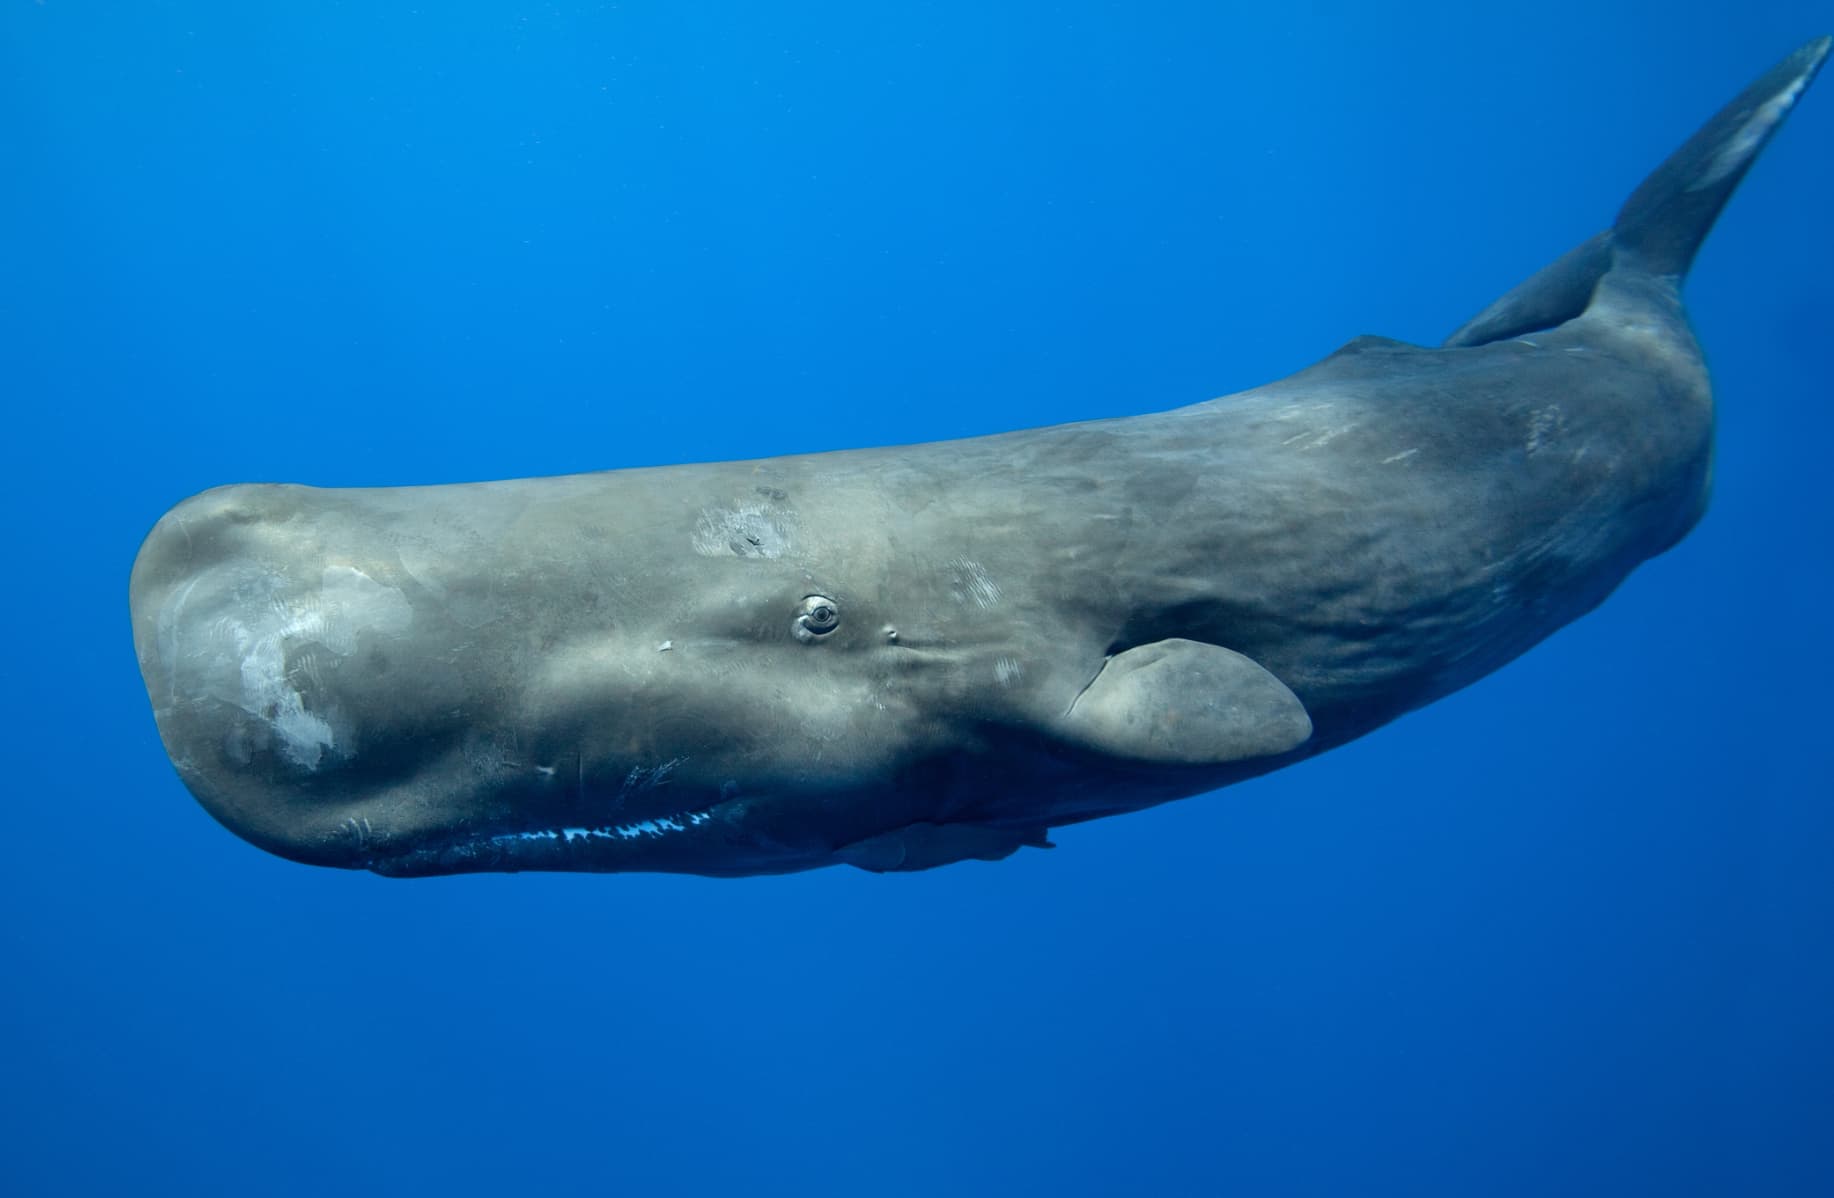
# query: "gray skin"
898,658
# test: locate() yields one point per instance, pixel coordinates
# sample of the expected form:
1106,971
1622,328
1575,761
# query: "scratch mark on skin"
972,584
360,829
1399,457
642,779
345,606
1318,438
748,530
1740,148
1544,424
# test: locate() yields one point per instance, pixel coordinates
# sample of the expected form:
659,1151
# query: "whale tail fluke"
1661,226
1665,220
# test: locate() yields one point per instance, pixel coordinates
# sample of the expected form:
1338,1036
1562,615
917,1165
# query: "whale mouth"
708,841
605,848
647,829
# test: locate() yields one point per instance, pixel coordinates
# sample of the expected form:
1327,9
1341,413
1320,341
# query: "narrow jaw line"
539,848
647,829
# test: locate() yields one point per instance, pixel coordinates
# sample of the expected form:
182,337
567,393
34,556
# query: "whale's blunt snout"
243,630
193,547
165,571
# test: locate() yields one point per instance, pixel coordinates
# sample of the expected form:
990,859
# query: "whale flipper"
926,846
1179,702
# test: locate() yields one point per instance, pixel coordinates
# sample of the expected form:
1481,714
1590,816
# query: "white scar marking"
748,530
1007,670
1399,457
646,778
972,584
1543,425
1319,434
347,603
1739,149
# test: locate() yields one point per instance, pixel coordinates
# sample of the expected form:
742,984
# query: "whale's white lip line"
527,839
644,829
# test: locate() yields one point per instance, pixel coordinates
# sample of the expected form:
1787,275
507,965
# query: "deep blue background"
1571,931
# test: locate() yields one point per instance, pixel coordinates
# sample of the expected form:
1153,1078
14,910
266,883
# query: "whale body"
898,658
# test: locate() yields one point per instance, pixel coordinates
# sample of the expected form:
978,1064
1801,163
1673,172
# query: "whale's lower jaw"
705,841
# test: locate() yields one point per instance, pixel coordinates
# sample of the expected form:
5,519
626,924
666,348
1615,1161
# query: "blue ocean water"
1566,932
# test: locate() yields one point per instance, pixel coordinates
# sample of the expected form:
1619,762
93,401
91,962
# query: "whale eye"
816,616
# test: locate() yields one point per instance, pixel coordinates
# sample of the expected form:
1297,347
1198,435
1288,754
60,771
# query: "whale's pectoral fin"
1179,702
926,846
